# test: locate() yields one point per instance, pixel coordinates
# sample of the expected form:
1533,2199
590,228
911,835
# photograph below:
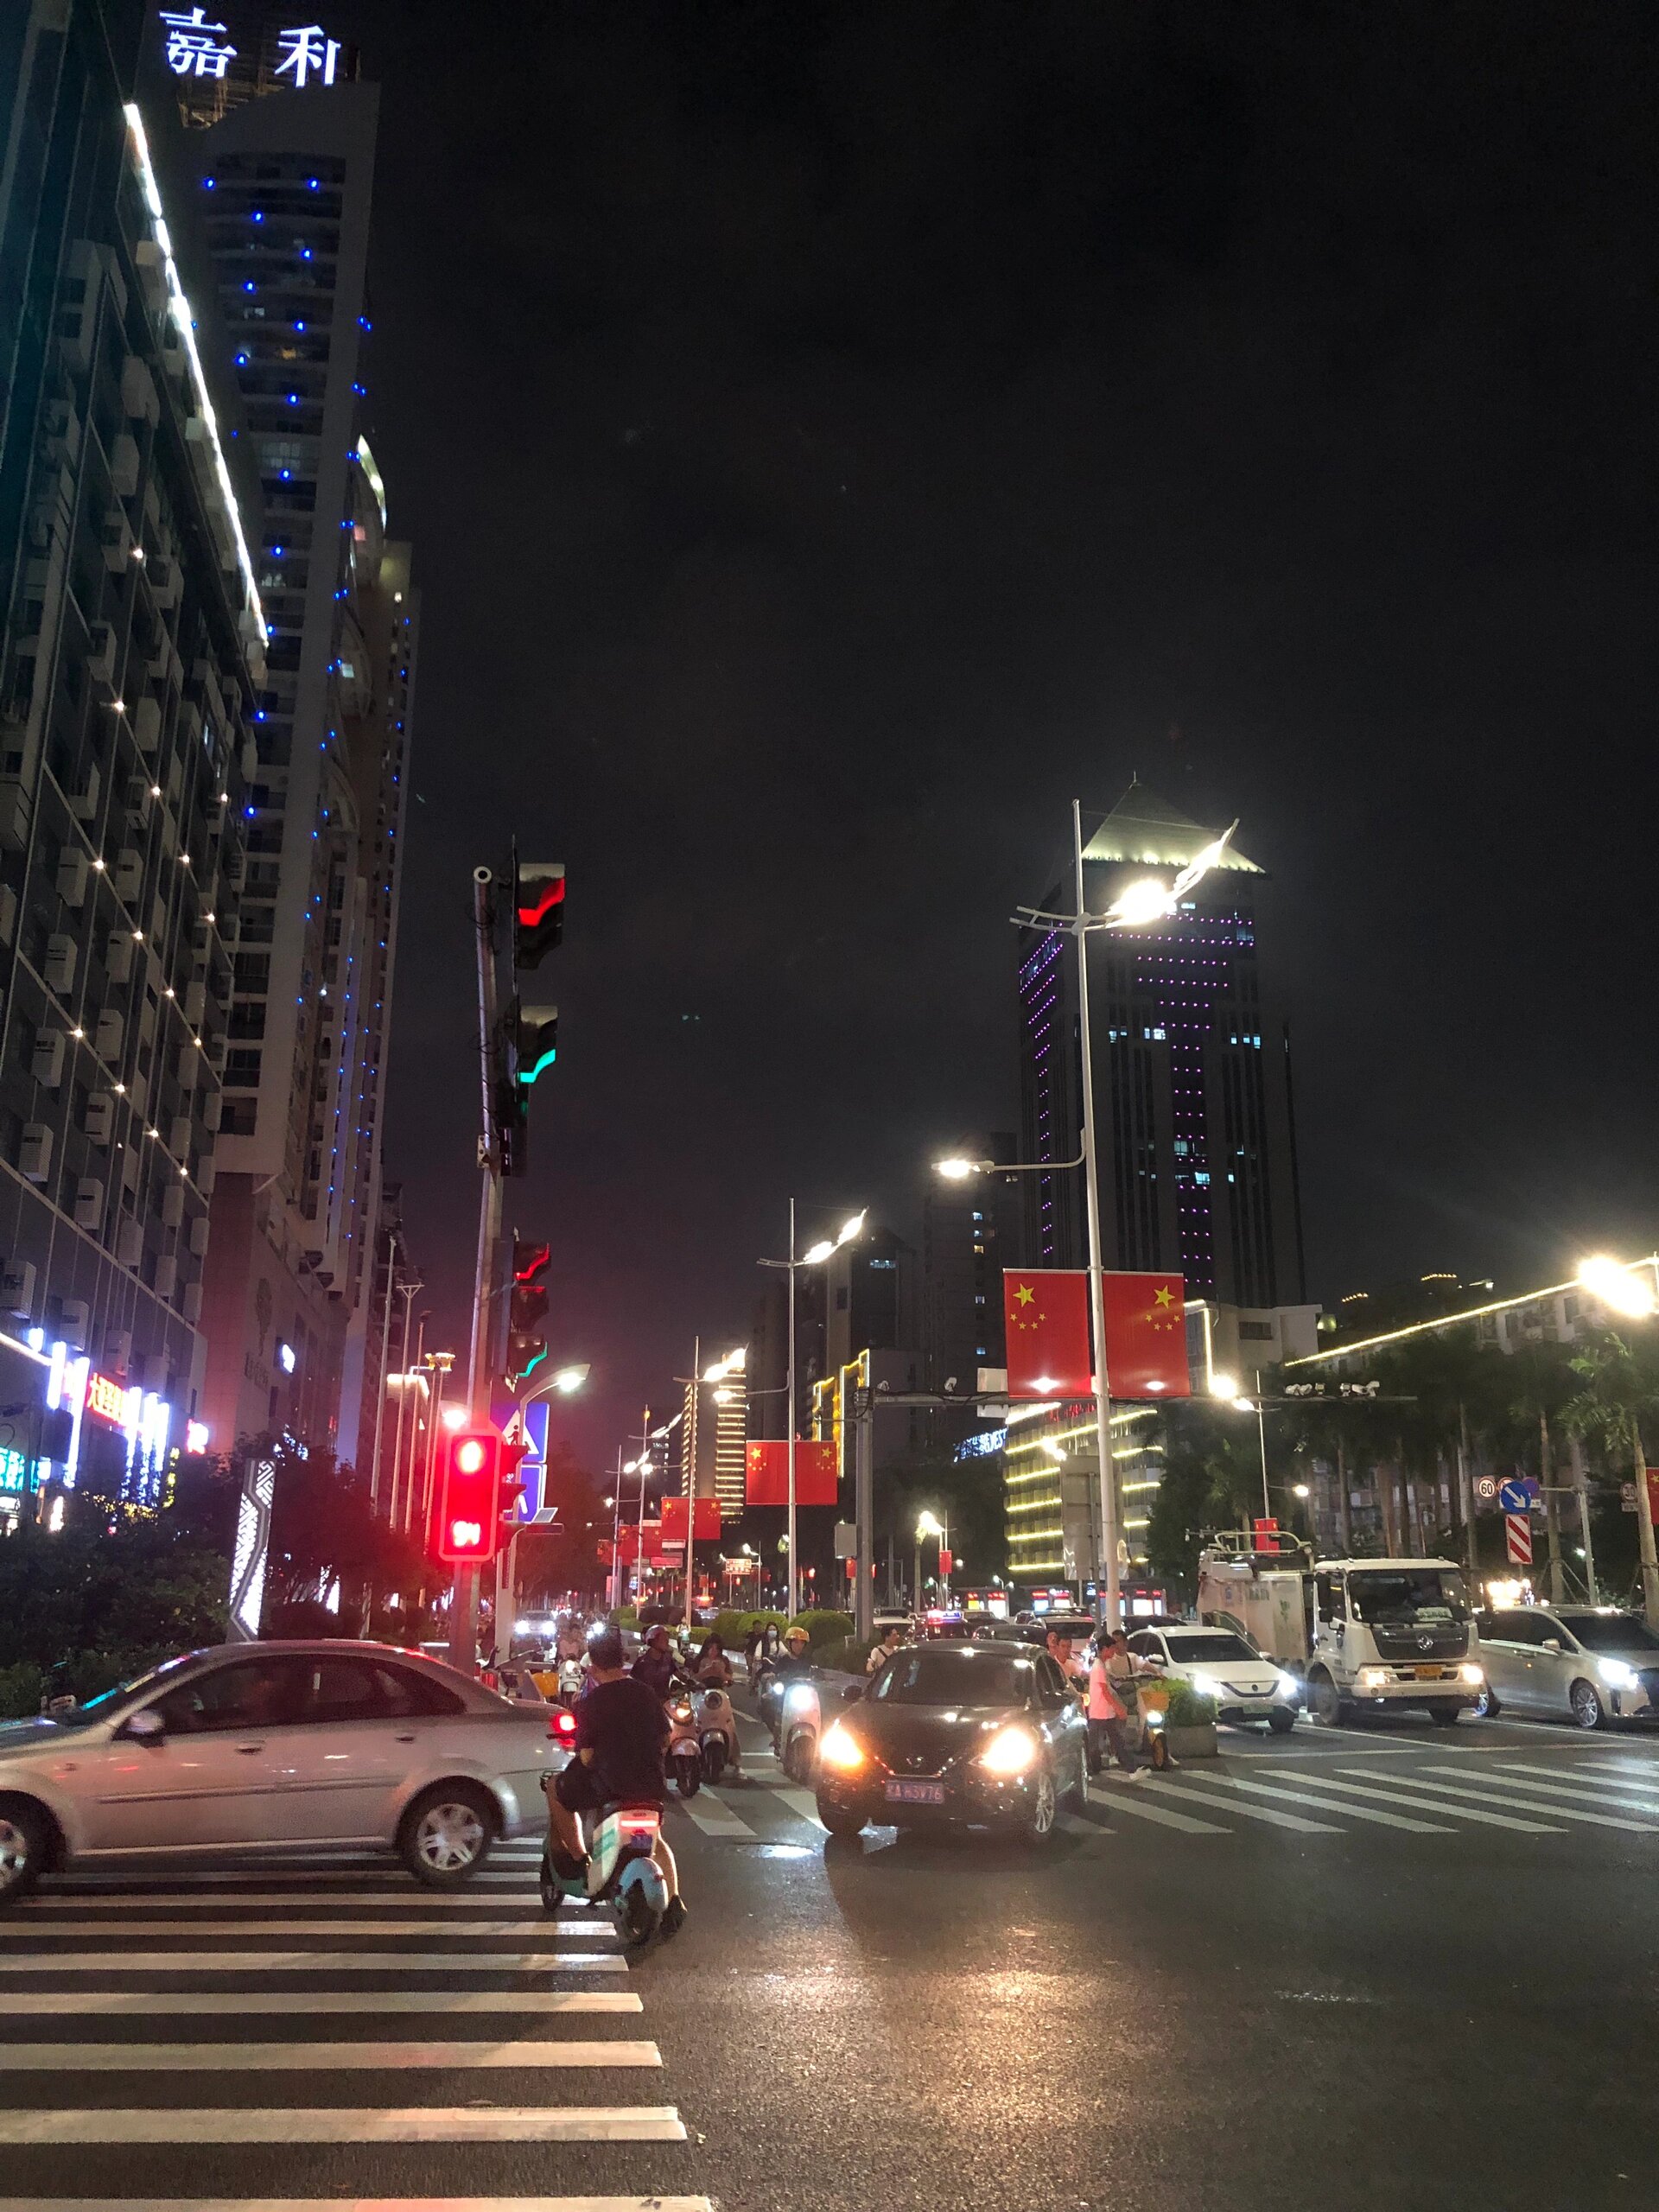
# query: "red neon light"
106,1399
529,916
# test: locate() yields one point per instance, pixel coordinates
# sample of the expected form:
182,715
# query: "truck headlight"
1373,1678
1475,1676
1617,1674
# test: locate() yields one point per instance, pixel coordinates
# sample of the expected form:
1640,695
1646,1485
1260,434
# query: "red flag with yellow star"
1045,1313
1146,1337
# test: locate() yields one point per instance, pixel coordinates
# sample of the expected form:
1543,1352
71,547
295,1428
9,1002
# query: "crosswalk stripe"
51,1904
1125,1800
25,2003
1190,1793
257,1963
343,2124
300,2057
1623,1794
1396,1795
359,2204
581,1931
799,1801
713,1817
1523,1798
1355,1812
1078,1824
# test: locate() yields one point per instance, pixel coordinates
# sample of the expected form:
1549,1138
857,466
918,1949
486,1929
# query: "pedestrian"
753,1645
1111,1705
892,1637
1057,1643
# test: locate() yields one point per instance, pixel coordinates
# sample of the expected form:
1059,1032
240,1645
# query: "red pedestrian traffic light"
469,1497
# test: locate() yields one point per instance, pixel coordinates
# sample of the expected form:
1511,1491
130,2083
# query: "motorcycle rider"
620,1731
657,1666
794,1658
714,1667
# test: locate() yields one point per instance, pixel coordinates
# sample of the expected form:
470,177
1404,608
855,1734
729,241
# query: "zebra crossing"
220,2042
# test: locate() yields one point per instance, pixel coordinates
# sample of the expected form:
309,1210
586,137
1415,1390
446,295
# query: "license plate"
915,1793
1427,1674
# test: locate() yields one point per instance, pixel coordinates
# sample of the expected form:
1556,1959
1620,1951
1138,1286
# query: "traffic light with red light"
526,1310
468,1528
538,910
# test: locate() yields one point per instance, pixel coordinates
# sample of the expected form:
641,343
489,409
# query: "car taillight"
565,1725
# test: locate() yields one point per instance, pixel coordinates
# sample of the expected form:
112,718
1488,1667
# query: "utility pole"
385,1346
1112,1613
463,1603
408,1292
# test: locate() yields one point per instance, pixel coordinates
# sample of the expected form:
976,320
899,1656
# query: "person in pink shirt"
1108,1710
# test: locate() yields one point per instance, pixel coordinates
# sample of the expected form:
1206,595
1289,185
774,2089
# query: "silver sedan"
1585,1664
274,1747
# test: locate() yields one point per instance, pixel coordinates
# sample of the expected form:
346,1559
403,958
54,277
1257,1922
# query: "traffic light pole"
463,1603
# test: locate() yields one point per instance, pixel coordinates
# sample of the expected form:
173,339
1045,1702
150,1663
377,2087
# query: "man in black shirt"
620,1731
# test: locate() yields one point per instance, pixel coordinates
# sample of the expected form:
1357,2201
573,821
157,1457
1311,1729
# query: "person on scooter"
714,1667
657,1666
620,1731
795,1657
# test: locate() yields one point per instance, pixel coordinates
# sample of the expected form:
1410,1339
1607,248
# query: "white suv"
1218,1664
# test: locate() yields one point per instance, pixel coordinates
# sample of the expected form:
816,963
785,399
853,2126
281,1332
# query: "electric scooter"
717,1733
630,1872
685,1753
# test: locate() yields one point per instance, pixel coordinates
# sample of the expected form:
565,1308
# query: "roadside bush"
625,1617
847,1655
1186,1708
826,1627
21,1689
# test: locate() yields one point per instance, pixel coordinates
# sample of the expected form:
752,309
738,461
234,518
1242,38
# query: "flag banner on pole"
1045,1311
705,1523
1145,1336
817,1472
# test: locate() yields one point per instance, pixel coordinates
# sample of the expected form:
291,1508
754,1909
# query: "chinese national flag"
1145,1336
1045,1311
817,1475
705,1524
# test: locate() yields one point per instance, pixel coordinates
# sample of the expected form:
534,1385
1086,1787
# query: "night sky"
833,437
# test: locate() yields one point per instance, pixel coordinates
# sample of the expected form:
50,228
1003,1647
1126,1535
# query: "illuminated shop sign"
14,1473
142,1417
197,46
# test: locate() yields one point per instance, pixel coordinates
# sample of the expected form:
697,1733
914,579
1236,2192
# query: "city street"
1387,1965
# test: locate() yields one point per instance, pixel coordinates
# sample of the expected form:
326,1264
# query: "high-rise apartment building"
1191,1072
714,1430
132,658
283,140
973,1227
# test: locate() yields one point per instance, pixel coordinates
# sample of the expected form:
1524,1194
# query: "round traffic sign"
1512,1496
1486,1488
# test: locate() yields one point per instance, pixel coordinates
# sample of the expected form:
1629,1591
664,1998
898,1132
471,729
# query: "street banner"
1145,1336
817,1472
1652,1474
705,1525
1046,1314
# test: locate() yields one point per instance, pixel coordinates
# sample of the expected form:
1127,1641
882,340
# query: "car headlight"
1617,1674
1475,1676
1373,1678
1288,1686
840,1749
1010,1751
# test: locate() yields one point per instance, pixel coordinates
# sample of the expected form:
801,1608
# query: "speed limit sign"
1486,1488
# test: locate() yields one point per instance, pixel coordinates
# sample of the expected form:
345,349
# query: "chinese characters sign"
197,46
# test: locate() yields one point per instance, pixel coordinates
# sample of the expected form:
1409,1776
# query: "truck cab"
1391,1633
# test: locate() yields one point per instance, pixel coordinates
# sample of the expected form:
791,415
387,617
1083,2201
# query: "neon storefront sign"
141,1416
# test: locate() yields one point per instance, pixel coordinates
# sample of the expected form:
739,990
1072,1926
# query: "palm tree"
1620,1390
1541,1385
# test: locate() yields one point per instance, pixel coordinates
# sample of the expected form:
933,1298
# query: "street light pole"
1097,1259
788,1603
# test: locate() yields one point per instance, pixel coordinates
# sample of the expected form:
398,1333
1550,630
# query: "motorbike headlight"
1010,1751
1288,1686
1616,1673
798,1699
840,1749
682,1713
1475,1676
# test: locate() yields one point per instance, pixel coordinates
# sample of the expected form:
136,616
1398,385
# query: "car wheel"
1446,1716
1079,1792
1588,1711
1045,1804
25,1839
1323,1703
841,1818
1281,1720
447,1833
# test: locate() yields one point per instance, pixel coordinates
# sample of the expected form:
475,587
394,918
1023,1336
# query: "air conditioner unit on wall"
17,1288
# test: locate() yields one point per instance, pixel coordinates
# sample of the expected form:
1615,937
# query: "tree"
1211,1481
565,1555
1619,1391
323,1533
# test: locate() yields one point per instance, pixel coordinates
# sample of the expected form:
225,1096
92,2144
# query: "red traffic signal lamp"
478,1480
538,910
527,1304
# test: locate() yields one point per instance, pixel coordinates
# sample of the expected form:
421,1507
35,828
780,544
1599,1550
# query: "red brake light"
564,1724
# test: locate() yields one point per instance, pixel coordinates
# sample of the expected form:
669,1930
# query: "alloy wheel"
449,1837
1586,1707
1042,1805
14,1854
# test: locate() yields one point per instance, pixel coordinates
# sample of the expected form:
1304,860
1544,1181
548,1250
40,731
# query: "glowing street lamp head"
1617,1287
955,1170
851,1226
1139,903
453,1417
929,1524
571,1378
815,1255
1222,1386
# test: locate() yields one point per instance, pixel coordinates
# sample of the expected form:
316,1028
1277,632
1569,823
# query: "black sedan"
955,1731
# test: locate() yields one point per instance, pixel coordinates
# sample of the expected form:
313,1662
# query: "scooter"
716,1733
800,1723
684,1754
570,1682
630,1871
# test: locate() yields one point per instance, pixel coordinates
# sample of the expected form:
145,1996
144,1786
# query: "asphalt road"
1394,1966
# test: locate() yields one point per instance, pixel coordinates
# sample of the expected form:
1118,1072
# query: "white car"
1216,1663
274,1747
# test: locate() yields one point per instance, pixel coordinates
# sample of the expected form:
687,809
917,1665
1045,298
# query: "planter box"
1196,1742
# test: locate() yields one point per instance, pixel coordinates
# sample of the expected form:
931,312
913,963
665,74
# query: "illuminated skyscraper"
1192,1066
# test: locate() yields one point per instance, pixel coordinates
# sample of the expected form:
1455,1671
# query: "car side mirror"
147,1727
1553,1643
853,1693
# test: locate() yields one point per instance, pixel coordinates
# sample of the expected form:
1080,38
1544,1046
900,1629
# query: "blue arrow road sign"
1516,1496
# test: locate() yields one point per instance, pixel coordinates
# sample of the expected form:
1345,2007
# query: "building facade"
972,1229
131,661
1191,1072
282,145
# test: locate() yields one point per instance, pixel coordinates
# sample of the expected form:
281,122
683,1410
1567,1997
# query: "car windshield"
1612,1632
979,1677
1408,1597
106,1707
1185,1649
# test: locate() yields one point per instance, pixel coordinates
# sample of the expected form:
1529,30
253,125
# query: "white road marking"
1515,1793
800,1801
1626,1794
323,2124
583,1931
51,1903
1354,1812
1129,1800
359,2204
713,1817
299,2057
1396,1796
22,2003
258,1962
1078,1824
1190,1793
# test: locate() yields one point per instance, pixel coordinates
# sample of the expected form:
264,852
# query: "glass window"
1515,1627
342,1690
978,1677
404,1694
1620,1633
1408,1597
247,1694
1216,1645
